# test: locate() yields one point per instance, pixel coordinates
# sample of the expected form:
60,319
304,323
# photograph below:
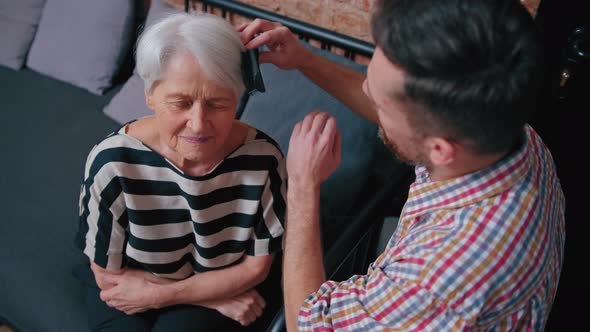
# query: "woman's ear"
148,100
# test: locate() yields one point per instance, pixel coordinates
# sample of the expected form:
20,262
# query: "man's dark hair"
472,67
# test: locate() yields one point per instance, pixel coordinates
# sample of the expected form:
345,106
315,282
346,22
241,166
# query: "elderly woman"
181,212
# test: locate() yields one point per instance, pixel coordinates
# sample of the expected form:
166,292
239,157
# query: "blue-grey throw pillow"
83,42
129,103
288,98
18,24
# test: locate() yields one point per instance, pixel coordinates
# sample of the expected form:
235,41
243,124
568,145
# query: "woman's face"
194,115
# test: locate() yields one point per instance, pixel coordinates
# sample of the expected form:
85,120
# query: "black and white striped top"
137,208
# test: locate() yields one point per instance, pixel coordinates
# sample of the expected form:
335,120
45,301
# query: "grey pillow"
288,98
83,42
129,103
18,23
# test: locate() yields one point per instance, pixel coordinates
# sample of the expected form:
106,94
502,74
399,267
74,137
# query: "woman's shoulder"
118,139
115,146
259,142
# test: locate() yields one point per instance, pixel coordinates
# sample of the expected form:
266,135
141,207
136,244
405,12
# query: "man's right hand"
285,51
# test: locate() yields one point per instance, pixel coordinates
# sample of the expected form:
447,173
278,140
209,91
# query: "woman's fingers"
259,299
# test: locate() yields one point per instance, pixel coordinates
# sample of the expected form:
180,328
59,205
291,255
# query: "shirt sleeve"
103,218
268,233
376,302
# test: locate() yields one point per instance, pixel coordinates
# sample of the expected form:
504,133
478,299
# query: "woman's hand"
285,51
244,308
133,292
314,151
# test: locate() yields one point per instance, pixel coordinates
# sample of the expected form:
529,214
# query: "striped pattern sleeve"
103,216
268,233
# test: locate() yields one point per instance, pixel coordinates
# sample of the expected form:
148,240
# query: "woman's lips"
197,139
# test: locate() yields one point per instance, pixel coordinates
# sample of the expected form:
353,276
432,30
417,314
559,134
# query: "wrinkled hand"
314,150
285,51
133,292
244,308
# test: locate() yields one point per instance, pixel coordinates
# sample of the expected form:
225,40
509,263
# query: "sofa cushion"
83,42
18,23
288,98
129,103
40,191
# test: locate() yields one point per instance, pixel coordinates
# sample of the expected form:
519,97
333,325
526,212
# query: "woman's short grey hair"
214,43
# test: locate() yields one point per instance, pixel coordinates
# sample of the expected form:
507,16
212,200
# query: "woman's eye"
215,106
182,104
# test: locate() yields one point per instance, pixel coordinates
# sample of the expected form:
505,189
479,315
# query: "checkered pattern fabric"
482,252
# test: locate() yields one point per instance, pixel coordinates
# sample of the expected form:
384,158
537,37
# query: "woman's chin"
197,154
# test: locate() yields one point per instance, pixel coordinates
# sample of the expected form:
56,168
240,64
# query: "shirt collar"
426,196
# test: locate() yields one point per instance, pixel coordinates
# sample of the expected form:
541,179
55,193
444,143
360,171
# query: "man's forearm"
303,268
212,285
343,83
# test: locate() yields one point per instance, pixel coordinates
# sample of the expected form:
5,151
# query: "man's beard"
395,149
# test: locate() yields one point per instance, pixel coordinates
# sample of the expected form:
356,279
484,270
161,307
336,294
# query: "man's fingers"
260,40
269,38
257,26
296,130
319,122
307,122
328,134
242,26
272,38
330,127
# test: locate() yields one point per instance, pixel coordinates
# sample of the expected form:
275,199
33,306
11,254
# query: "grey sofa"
48,127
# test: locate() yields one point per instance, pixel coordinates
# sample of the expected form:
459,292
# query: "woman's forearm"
215,285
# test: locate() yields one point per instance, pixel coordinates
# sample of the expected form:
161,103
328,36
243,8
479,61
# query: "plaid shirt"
482,252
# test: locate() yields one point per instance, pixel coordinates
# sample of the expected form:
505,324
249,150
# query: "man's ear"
442,152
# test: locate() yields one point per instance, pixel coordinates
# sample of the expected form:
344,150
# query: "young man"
479,245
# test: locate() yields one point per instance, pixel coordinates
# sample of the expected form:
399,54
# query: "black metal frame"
327,38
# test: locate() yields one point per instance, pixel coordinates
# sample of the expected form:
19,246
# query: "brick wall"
349,17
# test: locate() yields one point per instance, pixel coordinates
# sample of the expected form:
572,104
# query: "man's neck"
467,163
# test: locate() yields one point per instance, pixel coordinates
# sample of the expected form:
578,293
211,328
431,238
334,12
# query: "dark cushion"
83,42
288,98
18,23
53,126
129,104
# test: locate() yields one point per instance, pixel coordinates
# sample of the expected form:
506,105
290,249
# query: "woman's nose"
197,118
